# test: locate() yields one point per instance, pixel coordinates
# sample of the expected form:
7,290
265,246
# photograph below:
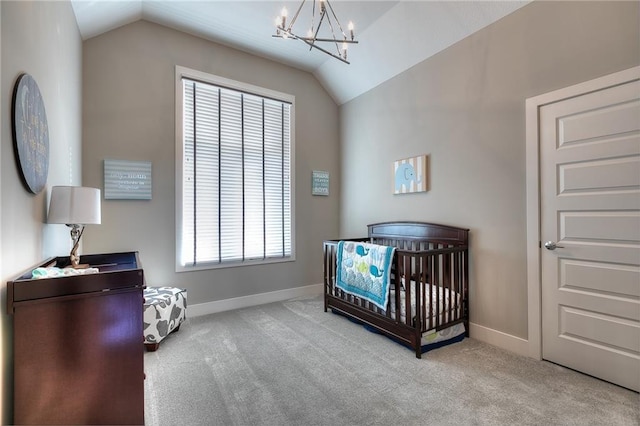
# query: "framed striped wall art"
410,175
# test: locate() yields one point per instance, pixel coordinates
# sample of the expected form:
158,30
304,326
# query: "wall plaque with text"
127,180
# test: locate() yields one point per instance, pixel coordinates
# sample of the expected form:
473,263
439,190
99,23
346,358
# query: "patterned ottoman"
165,308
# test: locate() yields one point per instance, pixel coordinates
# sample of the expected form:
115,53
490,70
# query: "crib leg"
418,346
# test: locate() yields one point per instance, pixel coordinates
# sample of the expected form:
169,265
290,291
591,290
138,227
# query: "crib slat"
431,284
418,319
398,286
437,283
424,284
406,272
454,285
446,289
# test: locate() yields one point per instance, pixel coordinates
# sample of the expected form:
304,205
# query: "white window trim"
183,72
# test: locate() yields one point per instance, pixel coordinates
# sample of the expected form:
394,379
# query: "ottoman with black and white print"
165,308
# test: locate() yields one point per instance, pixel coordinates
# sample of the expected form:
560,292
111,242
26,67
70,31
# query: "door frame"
534,237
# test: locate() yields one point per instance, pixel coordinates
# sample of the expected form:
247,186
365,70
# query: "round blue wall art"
30,133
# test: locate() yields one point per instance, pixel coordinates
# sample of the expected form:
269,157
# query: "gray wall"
465,108
42,39
129,114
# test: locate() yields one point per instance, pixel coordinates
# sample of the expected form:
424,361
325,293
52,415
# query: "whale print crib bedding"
433,309
365,270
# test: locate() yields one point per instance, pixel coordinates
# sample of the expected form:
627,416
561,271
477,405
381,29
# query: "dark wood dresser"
78,343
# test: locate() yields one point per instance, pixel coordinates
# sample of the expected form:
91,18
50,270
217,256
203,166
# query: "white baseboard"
252,300
502,340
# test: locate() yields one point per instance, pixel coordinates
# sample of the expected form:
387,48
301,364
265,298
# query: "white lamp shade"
74,205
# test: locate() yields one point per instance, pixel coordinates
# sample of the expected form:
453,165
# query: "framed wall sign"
30,133
319,183
127,180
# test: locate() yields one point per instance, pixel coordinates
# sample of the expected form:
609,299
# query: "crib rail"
429,287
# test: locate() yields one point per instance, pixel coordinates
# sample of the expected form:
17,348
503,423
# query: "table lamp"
75,206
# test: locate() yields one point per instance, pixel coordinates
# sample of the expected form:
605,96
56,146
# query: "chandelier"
313,39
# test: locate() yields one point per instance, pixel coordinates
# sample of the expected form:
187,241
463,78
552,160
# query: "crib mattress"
432,339
439,299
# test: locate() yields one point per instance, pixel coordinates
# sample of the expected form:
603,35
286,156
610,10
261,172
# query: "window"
234,173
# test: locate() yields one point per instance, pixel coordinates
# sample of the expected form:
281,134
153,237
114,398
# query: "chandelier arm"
313,16
325,51
315,46
295,17
333,33
315,35
337,20
311,39
326,40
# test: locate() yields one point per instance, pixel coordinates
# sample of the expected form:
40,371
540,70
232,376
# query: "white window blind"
236,176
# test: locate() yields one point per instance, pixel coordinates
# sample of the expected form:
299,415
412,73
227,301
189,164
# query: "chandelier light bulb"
284,12
351,29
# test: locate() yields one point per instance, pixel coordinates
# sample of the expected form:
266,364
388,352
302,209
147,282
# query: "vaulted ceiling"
393,35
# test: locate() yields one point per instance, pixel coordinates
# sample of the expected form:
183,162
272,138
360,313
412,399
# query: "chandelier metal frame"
325,15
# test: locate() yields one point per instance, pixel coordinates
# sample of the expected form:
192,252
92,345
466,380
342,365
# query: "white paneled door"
590,231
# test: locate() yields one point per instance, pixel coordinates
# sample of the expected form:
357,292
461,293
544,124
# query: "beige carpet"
290,363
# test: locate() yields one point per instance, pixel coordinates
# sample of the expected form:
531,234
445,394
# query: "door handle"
551,245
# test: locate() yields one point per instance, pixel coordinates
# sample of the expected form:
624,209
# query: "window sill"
235,264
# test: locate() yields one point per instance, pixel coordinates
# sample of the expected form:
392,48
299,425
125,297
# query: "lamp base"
74,257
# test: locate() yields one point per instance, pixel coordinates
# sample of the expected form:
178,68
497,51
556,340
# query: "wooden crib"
434,259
